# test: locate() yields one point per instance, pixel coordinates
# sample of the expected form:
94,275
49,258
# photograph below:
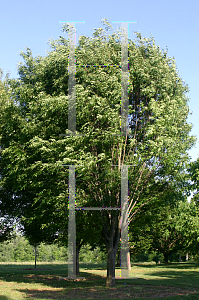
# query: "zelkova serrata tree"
156,147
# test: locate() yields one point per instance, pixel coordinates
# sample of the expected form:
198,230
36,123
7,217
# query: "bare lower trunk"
79,244
118,258
110,280
166,258
35,256
111,237
77,260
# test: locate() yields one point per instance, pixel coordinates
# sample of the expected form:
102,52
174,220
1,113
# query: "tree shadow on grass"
182,265
123,290
46,277
185,265
93,266
182,278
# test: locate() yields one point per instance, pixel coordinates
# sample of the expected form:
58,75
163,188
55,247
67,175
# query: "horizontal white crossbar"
98,208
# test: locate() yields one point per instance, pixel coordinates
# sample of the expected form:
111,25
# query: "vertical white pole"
124,169
124,222
71,83
124,80
71,225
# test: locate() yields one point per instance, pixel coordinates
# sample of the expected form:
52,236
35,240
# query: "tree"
7,224
162,227
170,229
194,185
35,234
193,172
156,146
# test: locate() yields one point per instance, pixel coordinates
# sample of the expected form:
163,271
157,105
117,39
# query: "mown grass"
174,281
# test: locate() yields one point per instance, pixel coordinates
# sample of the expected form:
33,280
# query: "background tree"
7,223
169,226
33,154
35,234
172,229
194,186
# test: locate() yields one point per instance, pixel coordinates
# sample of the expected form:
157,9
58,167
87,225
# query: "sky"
174,24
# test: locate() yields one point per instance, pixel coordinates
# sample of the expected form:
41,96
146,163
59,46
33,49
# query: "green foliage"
22,251
6,252
194,186
19,250
155,256
148,256
6,228
170,229
48,253
89,255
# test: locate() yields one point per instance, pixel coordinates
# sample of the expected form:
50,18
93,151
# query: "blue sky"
175,24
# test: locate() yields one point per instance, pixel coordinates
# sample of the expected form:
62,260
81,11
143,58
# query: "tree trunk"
35,256
110,280
166,258
111,236
79,244
77,260
118,259
180,258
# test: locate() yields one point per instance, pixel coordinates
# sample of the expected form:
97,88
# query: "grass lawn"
174,281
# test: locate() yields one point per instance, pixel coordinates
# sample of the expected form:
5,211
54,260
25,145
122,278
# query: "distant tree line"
19,249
